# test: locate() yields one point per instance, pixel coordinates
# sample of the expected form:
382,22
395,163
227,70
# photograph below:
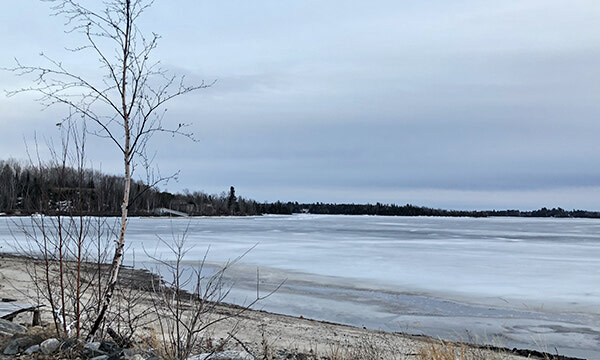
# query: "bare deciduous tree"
125,105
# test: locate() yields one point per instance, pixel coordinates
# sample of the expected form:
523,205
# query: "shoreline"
284,332
470,214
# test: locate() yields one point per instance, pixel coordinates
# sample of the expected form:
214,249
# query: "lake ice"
528,283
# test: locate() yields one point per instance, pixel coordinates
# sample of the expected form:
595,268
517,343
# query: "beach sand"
258,331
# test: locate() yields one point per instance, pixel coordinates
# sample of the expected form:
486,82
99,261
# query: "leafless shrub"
68,250
66,272
186,302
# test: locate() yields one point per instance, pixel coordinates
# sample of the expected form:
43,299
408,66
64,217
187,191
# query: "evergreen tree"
232,201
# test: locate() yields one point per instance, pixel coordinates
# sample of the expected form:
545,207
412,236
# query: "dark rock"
109,347
11,349
8,327
115,356
541,355
26,341
21,342
92,349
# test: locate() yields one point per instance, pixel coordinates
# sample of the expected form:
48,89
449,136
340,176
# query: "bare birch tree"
125,105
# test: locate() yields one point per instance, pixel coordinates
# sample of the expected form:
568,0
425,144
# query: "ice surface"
531,282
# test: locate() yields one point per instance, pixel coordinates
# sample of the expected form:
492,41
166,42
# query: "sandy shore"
260,331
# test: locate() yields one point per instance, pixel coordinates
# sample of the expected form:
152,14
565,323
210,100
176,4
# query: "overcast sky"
454,104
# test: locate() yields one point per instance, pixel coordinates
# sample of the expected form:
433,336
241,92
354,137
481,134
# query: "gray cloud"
455,104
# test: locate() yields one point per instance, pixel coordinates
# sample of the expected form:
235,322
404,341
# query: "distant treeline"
412,210
55,189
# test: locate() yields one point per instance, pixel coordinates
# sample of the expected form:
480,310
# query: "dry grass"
445,350
369,346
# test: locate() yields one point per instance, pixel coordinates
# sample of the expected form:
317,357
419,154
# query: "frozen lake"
528,283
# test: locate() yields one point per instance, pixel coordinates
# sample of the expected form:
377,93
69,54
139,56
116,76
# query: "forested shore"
27,189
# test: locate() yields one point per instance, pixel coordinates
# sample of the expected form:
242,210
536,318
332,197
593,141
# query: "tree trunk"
116,263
